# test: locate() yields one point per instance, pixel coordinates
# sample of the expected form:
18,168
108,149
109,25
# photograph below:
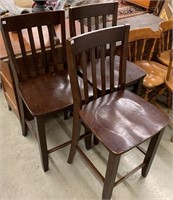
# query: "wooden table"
143,20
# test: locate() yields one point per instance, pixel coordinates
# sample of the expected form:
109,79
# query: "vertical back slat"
129,52
24,57
136,50
82,25
84,73
114,16
112,54
104,21
162,42
44,58
103,79
63,39
33,49
72,27
143,49
96,22
89,24
52,35
152,49
93,71
73,31
170,66
96,28
123,61
167,41
22,45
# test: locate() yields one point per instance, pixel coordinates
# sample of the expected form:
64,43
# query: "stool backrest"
93,17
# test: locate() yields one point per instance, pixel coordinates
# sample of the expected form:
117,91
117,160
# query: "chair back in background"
93,17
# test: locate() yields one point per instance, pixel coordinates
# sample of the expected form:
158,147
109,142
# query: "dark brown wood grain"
38,67
92,17
120,120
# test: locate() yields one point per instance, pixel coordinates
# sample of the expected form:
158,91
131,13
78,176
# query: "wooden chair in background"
169,84
120,120
93,17
39,70
143,44
166,41
169,79
165,53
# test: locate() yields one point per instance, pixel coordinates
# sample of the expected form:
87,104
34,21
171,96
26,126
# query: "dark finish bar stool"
39,71
120,120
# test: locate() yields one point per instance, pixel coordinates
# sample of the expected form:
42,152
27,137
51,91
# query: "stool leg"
75,137
111,172
88,140
151,151
169,101
41,137
96,141
22,116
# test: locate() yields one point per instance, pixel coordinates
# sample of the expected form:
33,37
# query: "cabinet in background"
147,4
8,87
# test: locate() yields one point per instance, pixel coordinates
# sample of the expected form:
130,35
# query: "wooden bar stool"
119,119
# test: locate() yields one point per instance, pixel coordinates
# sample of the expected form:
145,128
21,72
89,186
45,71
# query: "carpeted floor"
128,10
